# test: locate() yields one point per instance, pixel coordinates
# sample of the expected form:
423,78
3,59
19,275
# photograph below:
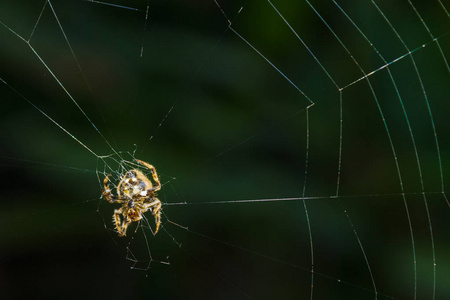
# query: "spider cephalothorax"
137,194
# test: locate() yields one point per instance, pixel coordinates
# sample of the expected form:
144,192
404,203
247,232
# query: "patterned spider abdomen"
134,184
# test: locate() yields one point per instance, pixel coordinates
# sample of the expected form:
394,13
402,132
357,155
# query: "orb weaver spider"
137,195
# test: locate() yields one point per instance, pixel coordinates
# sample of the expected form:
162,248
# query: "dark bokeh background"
236,130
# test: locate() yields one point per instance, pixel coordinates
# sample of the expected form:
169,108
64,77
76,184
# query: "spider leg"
137,227
156,211
154,174
106,192
121,226
116,219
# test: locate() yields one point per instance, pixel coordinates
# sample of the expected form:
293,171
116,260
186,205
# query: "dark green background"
236,130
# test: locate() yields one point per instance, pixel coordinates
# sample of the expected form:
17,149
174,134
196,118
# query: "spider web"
302,147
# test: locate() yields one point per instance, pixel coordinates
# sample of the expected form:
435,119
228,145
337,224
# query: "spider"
137,194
